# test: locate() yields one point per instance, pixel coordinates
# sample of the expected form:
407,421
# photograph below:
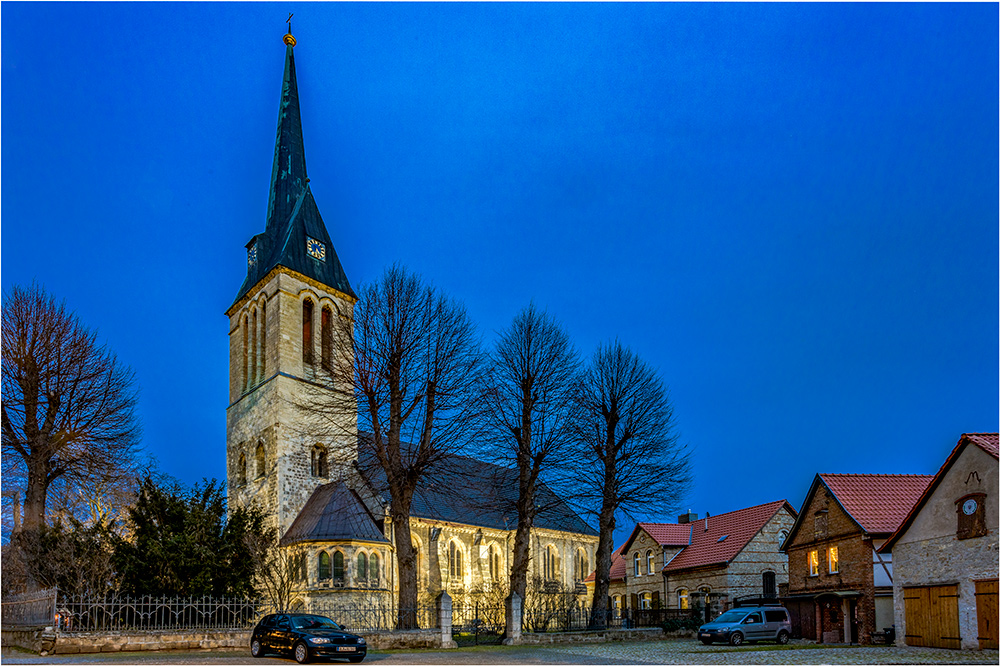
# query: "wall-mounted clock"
316,249
252,255
969,506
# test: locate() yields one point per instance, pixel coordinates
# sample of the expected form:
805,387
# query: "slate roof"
472,492
988,442
292,214
334,512
737,528
877,502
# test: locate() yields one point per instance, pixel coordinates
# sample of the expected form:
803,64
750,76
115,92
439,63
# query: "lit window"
635,563
616,606
649,561
682,599
645,601
834,559
813,562
551,564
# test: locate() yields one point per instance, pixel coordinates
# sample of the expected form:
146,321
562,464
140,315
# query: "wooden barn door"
986,613
932,616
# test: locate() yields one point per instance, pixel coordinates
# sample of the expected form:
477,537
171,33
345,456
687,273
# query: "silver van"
748,624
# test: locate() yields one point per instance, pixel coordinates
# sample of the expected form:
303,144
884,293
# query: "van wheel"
736,639
783,638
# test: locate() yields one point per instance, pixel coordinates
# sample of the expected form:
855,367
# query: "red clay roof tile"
877,502
668,534
987,441
738,528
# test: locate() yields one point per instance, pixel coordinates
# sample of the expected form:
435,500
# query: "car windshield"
314,622
731,616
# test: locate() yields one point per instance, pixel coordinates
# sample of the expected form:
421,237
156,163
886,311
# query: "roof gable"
719,539
664,534
988,442
876,502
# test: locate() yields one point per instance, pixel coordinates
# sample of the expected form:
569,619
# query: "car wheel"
301,653
355,660
783,638
256,649
736,638
706,641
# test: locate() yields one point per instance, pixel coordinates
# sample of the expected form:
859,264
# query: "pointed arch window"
324,565
362,567
261,460
550,563
241,470
326,338
245,369
581,564
454,560
338,566
253,348
373,569
307,328
262,366
496,566
319,466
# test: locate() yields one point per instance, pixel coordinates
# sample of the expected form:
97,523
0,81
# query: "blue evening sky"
790,210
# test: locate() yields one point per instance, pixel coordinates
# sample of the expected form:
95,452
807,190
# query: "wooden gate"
986,613
932,616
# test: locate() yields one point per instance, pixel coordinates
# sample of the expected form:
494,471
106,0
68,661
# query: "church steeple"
294,236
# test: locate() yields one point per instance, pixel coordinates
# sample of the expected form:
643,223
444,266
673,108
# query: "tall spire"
295,236
288,173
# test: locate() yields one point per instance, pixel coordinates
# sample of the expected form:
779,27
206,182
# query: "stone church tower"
293,307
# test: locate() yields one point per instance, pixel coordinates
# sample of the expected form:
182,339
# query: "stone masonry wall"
746,571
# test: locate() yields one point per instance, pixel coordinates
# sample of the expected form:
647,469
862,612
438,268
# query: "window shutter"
656,599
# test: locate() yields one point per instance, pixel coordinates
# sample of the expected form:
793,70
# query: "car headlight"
361,641
725,630
319,641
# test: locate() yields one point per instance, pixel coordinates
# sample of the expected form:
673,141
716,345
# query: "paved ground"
638,652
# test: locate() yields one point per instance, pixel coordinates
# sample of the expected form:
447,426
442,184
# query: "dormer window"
315,248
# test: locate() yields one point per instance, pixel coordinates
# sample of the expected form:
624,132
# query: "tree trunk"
406,563
34,496
602,572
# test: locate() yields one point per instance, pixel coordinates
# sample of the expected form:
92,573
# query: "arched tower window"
262,366
362,567
454,560
649,561
307,332
338,566
245,369
255,352
261,468
241,470
373,569
326,338
324,565
319,462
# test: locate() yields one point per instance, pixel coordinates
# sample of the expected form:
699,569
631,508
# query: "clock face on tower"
315,249
252,255
969,507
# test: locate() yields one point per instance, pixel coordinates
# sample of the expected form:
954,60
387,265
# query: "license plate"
345,649
705,635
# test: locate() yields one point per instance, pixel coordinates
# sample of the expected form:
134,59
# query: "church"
331,514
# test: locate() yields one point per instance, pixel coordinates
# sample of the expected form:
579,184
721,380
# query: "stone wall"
746,571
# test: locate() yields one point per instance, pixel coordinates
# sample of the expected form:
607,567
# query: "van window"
775,616
752,618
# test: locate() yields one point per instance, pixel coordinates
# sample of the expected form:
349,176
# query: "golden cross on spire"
288,39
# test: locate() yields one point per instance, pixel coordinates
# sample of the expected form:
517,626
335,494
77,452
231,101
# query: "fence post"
444,620
512,612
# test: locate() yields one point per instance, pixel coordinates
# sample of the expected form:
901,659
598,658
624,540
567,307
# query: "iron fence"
33,609
478,623
371,618
124,613
540,620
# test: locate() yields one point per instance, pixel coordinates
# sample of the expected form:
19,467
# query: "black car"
305,637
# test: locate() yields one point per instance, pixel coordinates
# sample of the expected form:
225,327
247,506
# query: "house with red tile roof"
945,552
702,563
839,584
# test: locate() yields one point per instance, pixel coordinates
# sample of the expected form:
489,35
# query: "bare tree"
529,393
412,386
68,413
628,454
276,570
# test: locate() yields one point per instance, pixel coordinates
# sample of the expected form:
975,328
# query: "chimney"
706,522
686,518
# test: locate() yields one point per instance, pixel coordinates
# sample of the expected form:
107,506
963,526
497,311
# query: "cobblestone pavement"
636,652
